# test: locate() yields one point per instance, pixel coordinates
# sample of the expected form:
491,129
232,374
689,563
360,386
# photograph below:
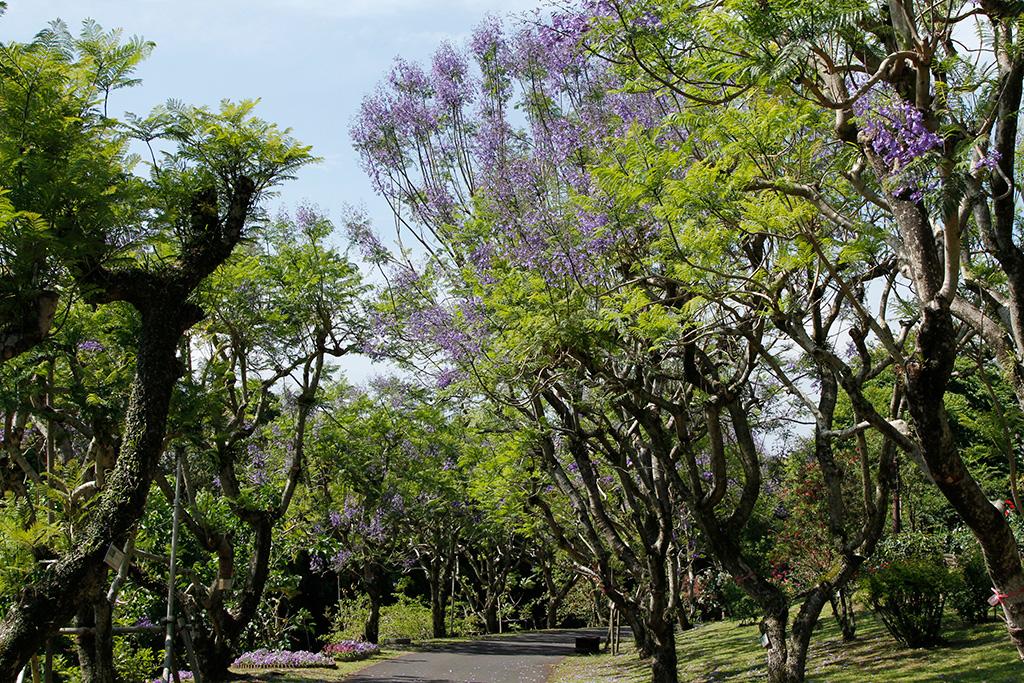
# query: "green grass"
344,670
728,652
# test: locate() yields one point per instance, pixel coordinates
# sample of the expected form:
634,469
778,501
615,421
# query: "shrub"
973,587
907,588
407,618
132,663
349,618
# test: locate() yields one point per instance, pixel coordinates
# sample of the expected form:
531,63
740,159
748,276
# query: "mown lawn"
728,652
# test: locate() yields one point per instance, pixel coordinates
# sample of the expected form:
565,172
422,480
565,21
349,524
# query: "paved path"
526,658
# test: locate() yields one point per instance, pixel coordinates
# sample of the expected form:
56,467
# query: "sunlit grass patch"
727,652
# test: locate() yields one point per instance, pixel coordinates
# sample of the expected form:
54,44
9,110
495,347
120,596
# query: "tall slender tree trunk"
438,601
842,610
96,648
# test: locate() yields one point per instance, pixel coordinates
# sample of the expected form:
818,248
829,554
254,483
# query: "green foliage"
22,536
407,618
134,662
908,587
348,618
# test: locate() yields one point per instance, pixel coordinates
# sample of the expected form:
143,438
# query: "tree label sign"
764,640
114,557
225,584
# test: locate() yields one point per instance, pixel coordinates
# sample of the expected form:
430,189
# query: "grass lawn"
729,652
344,670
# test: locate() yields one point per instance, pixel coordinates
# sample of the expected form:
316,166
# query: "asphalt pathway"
523,658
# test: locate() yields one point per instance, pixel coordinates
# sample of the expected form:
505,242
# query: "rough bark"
43,607
20,333
162,300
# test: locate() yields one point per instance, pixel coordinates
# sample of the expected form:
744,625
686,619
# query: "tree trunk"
926,381
662,637
438,603
491,613
842,609
371,631
219,644
50,603
96,649
377,588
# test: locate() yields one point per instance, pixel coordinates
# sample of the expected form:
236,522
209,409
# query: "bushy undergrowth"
907,587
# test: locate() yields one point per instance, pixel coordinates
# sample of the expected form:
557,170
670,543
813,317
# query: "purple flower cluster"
351,650
896,131
257,461
283,659
989,161
91,346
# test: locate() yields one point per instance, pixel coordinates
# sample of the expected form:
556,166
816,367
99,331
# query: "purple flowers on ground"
285,659
351,650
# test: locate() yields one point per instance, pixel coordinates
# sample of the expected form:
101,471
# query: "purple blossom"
449,73
267,659
361,234
91,346
989,161
340,559
447,376
896,131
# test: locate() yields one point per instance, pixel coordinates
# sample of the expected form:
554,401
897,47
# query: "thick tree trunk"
376,586
46,605
926,382
491,613
662,637
371,631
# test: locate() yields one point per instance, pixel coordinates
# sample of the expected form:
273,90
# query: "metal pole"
169,670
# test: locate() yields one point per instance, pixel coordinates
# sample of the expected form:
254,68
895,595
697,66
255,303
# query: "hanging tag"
114,558
764,640
994,599
225,584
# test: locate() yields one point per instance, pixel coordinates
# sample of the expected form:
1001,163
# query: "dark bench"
588,645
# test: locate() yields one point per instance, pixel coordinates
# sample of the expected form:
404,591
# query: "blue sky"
309,61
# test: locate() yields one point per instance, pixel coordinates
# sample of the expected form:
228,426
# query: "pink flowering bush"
351,650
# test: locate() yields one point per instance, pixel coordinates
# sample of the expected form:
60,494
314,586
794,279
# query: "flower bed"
351,650
283,659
